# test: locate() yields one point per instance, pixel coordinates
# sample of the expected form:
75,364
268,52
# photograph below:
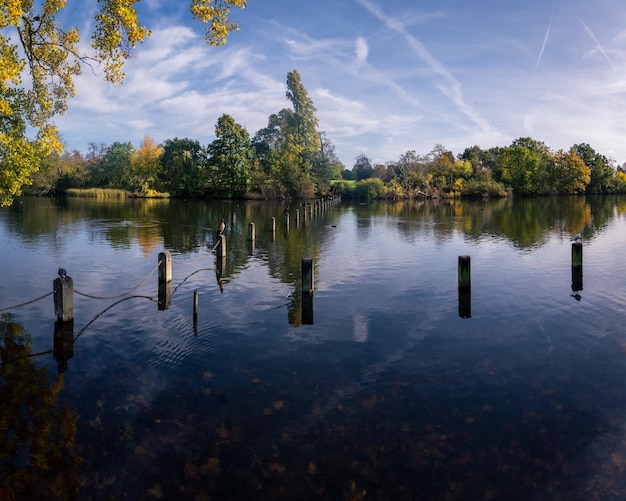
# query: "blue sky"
385,76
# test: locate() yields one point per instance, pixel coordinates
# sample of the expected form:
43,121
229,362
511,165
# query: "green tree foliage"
116,164
289,147
182,170
362,168
34,42
602,174
521,168
326,164
230,159
369,188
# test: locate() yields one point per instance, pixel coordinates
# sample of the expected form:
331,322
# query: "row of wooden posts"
64,287
465,278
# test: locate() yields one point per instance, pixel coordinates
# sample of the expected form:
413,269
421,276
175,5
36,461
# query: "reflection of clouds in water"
359,320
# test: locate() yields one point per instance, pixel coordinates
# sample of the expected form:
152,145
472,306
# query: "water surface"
387,384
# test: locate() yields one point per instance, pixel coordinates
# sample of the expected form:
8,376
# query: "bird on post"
577,237
62,273
220,229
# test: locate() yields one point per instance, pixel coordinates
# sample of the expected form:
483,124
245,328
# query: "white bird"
577,237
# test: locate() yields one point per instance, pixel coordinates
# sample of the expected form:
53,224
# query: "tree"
289,146
326,164
567,173
182,167
230,159
145,165
362,167
116,164
602,174
34,41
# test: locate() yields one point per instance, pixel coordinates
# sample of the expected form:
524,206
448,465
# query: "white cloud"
361,50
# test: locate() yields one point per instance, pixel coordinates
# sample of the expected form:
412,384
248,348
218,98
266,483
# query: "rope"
30,355
80,333
188,277
27,302
124,293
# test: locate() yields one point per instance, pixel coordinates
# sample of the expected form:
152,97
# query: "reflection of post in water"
307,308
63,343
465,302
307,291
465,290
577,268
220,271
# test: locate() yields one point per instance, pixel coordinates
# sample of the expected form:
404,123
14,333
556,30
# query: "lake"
388,382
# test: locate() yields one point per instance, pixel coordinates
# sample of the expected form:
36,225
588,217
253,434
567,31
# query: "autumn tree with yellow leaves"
35,44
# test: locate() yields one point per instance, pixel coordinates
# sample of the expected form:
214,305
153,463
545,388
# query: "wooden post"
464,272
63,298
287,219
273,224
221,247
251,232
195,305
165,267
297,218
307,276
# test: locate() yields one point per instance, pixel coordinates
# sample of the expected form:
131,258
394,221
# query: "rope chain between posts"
80,333
188,277
124,293
27,302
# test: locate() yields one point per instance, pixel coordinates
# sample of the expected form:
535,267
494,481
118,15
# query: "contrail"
453,88
545,42
600,48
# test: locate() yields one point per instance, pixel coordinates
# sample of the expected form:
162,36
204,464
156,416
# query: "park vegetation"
291,158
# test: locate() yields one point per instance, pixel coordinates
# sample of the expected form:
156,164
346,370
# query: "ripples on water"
384,392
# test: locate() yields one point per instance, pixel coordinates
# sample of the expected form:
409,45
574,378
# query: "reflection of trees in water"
526,222
37,455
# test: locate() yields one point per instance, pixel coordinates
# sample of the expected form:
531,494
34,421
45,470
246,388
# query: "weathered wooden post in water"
307,276
165,280
221,246
165,266
251,232
465,276
577,266
63,288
